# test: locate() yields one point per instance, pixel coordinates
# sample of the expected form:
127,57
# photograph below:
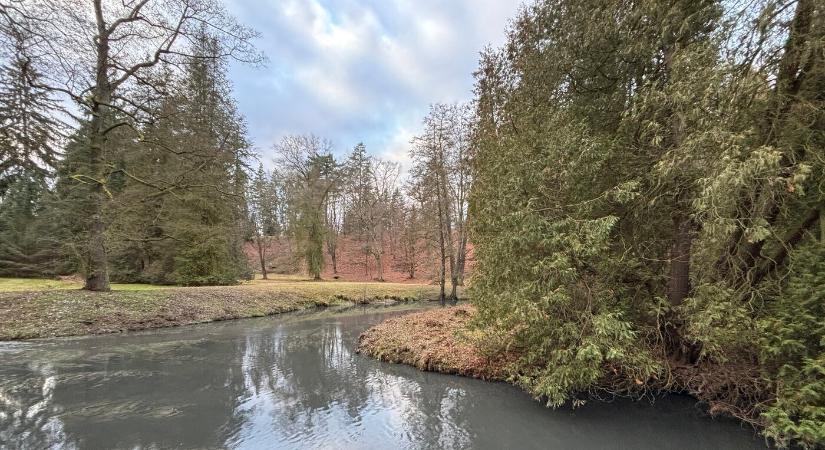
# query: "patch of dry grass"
432,340
64,311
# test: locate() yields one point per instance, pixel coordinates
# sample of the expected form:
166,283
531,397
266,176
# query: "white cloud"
364,70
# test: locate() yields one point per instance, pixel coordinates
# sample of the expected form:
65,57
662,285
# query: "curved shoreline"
59,313
431,340
428,340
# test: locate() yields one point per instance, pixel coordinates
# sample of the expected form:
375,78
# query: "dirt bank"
432,340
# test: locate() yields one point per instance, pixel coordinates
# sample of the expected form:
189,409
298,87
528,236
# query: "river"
294,381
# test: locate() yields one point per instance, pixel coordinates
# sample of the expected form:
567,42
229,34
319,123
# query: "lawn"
31,308
42,284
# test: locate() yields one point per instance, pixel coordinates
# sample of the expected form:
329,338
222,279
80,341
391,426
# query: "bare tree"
336,206
98,54
460,176
384,179
441,177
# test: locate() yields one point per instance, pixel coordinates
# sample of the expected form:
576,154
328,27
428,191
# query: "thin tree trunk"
332,249
448,233
261,256
442,254
410,251
679,284
461,259
380,266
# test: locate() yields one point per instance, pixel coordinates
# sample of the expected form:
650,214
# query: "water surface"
294,381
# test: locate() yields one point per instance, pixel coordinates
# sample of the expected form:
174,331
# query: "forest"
638,188
143,172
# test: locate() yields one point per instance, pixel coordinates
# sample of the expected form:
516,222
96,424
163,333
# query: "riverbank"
437,340
63,310
431,340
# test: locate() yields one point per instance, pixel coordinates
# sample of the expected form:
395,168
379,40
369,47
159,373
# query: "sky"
360,70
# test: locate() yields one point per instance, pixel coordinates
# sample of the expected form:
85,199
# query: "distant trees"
370,184
411,237
440,181
26,249
263,201
323,201
310,174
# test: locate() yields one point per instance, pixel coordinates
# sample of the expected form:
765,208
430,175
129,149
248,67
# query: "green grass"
32,308
42,284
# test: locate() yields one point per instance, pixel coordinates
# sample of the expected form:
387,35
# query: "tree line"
317,200
124,158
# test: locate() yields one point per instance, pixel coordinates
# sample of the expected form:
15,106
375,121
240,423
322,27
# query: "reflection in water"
27,413
295,382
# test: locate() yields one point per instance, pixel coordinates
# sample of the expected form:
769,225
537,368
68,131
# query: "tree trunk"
461,258
442,255
411,260
97,270
448,233
261,256
333,255
379,266
679,284
441,279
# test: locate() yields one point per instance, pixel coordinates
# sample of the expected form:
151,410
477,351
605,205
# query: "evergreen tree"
26,248
263,207
178,214
30,133
644,178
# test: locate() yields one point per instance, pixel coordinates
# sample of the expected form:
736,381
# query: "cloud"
365,70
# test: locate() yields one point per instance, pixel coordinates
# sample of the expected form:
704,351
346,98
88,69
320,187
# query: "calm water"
295,382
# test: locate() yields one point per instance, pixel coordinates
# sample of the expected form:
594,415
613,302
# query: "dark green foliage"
175,208
26,247
644,173
792,344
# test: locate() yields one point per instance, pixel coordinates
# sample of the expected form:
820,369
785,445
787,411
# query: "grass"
42,284
434,340
47,308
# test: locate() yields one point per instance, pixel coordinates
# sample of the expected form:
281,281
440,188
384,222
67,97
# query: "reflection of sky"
360,70
294,382
278,414
38,419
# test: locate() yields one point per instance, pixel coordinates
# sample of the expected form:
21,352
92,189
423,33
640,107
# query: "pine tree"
30,132
263,206
26,248
179,213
